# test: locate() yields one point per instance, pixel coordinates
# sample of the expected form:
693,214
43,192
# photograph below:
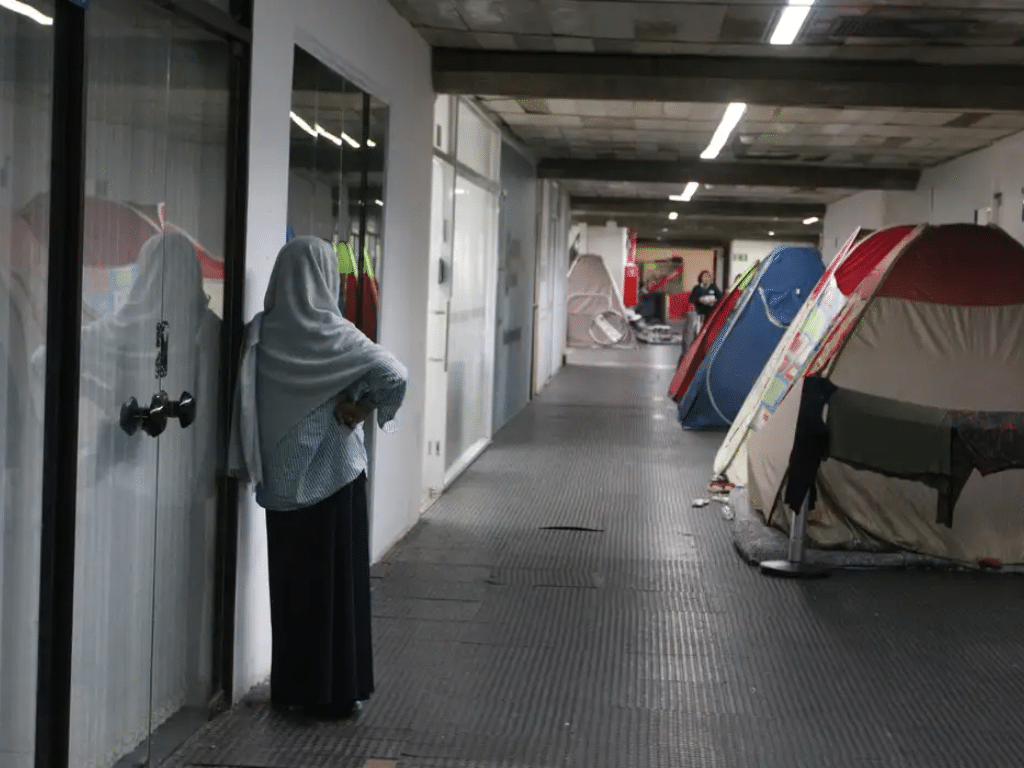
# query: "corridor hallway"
647,642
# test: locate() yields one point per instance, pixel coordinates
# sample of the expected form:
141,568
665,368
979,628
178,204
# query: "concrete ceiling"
929,31
617,98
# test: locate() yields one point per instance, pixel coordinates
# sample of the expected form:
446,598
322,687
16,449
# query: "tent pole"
796,566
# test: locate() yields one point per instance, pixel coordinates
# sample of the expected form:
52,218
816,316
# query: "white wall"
611,243
947,194
744,253
866,209
369,43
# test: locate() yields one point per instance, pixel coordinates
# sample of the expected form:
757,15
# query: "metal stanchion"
795,567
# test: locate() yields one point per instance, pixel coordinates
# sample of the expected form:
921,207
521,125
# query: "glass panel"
373,204
470,319
155,203
443,123
26,74
442,205
326,133
192,253
515,286
336,180
325,176
478,143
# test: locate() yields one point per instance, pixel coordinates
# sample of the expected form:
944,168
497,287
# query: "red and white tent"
936,321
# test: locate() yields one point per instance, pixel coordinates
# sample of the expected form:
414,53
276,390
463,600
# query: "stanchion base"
787,569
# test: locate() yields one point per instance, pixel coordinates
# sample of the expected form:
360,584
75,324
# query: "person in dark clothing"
705,295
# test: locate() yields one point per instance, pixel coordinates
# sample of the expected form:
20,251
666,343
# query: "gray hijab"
299,353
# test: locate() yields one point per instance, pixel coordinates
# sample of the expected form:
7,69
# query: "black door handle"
153,420
184,410
159,412
132,416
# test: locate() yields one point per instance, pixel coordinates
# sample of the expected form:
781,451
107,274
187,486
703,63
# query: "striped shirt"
320,456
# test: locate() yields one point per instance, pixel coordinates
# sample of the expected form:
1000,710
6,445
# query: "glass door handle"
152,420
184,410
132,416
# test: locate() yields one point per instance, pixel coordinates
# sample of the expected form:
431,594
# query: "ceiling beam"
744,209
752,174
776,81
658,221
707,230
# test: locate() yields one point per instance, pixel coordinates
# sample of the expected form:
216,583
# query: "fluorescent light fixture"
791,22
688,193
733,114
673,216
371,143
379,202
302,124
460,191
28,11
350,141
811,220
327,134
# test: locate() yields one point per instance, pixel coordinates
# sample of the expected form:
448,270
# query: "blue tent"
768,305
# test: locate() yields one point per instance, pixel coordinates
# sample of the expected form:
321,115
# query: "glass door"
156,167
26,74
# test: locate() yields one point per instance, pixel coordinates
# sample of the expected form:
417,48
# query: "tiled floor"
637,638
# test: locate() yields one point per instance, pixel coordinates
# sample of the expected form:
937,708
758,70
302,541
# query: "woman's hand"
351,414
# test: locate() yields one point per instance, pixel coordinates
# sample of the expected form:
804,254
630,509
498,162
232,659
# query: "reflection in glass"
156,168
470,342
26,74
336,179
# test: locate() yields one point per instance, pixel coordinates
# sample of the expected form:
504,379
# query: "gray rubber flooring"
646,642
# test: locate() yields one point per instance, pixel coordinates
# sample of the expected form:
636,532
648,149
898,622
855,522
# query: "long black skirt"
319,562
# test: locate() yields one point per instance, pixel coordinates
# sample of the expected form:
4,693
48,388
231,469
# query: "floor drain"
571,528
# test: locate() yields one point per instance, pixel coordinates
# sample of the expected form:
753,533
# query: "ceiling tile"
576,18
683,22
808,115
574,44
563,107
521,17
1003,122
497,41
535,42
608,45
447,38
505,106
435,14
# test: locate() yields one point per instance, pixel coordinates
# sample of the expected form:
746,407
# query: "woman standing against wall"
309,378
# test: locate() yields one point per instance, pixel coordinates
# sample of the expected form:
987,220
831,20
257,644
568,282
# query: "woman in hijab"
309,378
